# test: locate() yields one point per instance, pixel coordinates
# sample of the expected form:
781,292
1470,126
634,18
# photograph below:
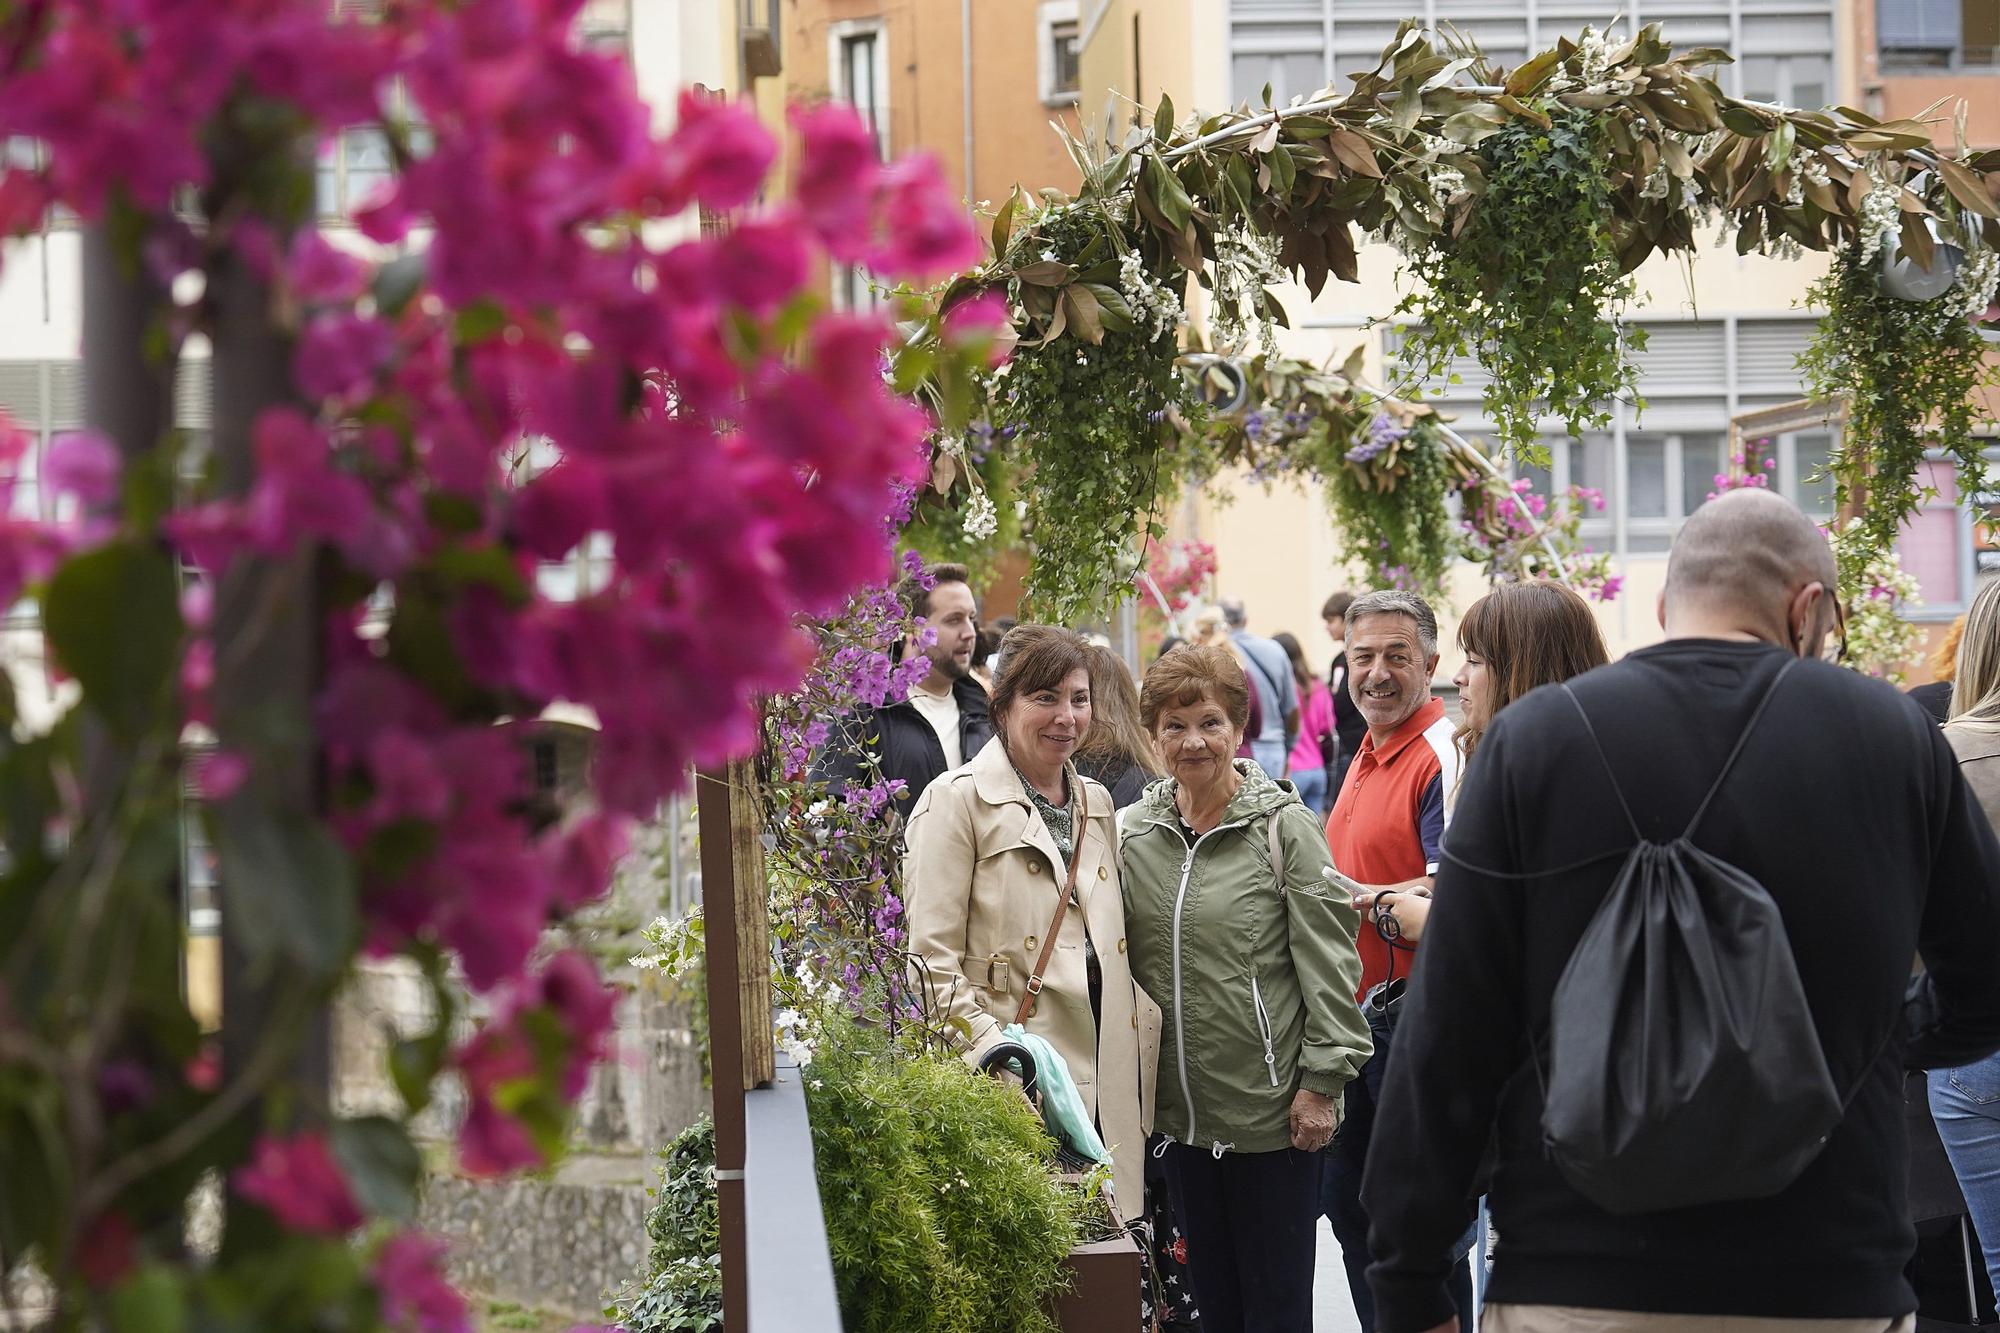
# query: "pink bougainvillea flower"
321,273
761,263
416,1298
924,230
839,164
718,155
298,1182
339,355
220,774
82,464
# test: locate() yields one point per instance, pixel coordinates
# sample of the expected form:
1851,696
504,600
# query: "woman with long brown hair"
1516,638
1116,751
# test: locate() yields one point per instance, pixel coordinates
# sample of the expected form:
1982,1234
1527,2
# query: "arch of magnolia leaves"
1095,281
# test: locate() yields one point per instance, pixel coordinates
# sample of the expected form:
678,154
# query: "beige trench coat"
981,878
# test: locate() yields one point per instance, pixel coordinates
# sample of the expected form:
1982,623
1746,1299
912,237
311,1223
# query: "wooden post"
736,936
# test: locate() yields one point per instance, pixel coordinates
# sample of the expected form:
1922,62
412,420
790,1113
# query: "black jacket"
905,743
1348,724
1849,808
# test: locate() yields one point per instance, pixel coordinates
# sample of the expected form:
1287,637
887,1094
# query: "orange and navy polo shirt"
1389,819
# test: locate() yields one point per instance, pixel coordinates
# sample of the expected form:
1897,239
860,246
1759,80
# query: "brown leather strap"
1062,903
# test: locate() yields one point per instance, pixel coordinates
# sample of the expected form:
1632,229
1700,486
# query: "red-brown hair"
1189,674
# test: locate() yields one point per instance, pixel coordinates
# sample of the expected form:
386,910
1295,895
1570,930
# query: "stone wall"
569,1239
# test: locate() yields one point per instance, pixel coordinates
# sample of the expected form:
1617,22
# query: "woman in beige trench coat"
981,878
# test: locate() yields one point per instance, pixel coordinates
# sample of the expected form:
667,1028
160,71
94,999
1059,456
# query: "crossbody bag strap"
1062,902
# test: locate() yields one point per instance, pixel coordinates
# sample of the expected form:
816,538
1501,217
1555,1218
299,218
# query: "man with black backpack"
1660,1012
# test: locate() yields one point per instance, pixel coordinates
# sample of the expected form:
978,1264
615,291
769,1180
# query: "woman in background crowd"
1116,750
1936,696
1965,1102
1314,752
1212,631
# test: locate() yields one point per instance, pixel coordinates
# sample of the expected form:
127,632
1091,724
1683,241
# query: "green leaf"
1081,306
481,321
398,281
287,885
113,620
1531,74
1003,223
1112,308
1968,188
1168,193
1283,170
381,1164
1163,119
487,565
150,1301
1045,273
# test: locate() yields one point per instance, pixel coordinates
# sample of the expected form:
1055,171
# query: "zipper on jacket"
1264,1027
1180,1018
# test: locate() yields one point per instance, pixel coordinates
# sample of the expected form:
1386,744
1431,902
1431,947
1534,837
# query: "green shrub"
683,1288
942,1211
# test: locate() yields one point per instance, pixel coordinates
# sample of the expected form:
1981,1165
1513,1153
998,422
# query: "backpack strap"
1277,851
1742,739
1756,715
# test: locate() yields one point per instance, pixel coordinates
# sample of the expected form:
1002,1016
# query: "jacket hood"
1260,794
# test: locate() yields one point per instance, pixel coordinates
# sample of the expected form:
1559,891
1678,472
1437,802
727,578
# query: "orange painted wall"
1011,138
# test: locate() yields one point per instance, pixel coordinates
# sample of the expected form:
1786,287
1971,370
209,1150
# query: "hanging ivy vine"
1910,373
1530,285
1094,413
1389,494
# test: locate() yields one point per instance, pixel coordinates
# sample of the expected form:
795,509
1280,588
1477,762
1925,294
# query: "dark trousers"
1346,1159
1251,1221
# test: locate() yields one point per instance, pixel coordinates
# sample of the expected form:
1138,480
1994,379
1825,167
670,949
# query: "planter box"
1105,1295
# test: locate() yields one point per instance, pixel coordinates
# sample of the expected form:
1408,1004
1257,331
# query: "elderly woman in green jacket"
1250,953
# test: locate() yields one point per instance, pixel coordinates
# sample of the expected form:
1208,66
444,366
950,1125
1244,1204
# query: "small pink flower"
220,774
297,1181
83,464
416,1298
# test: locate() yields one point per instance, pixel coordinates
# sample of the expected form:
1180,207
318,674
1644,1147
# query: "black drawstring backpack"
1684,1067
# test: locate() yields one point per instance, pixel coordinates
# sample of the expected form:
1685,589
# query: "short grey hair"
1395,602
1233,614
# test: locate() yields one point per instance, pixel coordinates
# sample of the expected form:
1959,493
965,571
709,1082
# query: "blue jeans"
1270,756
1965,1102
1311,783
1340,1196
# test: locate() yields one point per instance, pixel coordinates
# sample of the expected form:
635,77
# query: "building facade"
1723,333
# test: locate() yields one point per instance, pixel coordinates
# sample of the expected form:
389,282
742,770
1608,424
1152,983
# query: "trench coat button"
1121,944
1034,867
1103,872
1135,1018
1029,943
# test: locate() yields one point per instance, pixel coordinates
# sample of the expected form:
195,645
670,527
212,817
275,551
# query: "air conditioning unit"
763,45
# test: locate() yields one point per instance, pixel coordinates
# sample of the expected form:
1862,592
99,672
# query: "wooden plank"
753,926
722,963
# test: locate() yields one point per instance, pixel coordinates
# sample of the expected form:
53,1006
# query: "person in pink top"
1312,753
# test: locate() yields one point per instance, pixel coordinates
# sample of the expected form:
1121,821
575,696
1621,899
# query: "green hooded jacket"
1255,980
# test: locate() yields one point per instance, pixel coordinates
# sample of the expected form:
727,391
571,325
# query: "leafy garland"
1390,497
1094,412
1405,154
1526,285
1910,374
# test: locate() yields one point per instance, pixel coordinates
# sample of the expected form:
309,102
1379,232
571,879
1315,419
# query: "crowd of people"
1206,891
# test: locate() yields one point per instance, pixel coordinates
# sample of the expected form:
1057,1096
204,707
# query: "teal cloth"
1062,1105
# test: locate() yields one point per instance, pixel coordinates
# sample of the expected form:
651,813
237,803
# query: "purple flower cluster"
1382,432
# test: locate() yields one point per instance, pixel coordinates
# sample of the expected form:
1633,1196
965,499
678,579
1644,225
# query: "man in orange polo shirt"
1384,832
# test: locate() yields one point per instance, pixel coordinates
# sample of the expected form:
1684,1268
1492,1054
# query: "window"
1299,46
858,58
1938,34
357,164
606,26
1059,40
859,73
